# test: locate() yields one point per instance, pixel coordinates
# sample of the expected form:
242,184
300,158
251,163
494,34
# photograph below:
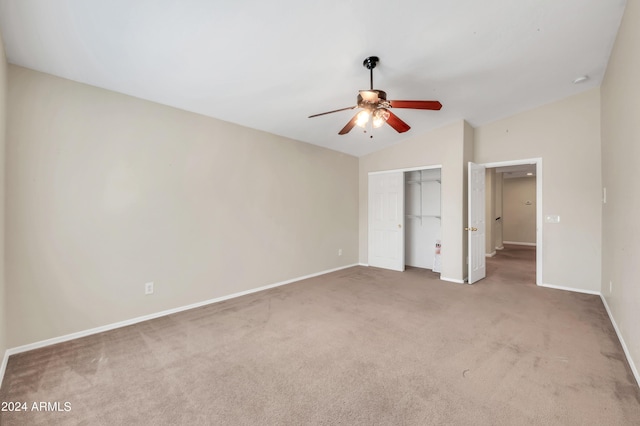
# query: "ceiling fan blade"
331,112
346,129
399,125
432,105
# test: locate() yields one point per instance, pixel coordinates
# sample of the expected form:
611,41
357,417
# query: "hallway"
515,264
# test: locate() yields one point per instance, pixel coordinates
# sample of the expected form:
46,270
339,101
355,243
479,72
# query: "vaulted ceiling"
269,65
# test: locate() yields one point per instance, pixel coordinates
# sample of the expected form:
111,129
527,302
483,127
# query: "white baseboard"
493,253
575,290
519,243
622,342
499,247
452,280
89,332
363,264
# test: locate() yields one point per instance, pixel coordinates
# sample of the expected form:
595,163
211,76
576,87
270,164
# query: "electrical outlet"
339,252
148,288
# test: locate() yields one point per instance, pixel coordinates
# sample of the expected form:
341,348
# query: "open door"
386,220
476,226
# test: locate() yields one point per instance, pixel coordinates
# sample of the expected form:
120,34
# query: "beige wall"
490,211
106,192
3,109
519,218
566,135
444,146
620,154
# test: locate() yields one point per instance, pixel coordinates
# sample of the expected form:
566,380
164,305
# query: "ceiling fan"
375,106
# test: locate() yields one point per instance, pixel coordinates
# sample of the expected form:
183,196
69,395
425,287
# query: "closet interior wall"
422,222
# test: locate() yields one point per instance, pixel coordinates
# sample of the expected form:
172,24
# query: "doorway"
514,264
514,214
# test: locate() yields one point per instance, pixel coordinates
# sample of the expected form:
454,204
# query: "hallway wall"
519,210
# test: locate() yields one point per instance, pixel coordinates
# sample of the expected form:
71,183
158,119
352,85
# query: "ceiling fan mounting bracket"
370,62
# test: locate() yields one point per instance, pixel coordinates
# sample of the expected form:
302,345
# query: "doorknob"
471,229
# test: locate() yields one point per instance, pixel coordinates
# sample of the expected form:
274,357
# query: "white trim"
493,253
363,264
518,243
453,280
500,248
407,169
79,334
636,374
539,222
573,289
512,162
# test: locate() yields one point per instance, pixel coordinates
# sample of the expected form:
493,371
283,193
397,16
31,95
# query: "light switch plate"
552,218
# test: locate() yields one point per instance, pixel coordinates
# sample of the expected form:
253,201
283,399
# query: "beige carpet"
362,346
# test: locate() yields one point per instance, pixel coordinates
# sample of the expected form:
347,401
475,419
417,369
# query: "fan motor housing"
372,99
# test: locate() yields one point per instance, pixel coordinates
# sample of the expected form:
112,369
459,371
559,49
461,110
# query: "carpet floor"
361,346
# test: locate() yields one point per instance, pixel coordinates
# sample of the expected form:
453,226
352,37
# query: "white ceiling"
269,65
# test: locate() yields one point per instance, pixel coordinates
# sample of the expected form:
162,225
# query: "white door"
476,226
386,220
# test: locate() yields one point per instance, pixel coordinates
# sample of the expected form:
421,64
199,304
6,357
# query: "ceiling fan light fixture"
374,104
363,118
380,117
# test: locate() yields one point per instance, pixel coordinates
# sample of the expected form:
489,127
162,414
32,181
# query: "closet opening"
423,235
404,218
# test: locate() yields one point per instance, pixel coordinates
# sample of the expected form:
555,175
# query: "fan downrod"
370,63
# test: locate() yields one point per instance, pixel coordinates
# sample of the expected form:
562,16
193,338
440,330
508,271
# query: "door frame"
539,222
402,170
